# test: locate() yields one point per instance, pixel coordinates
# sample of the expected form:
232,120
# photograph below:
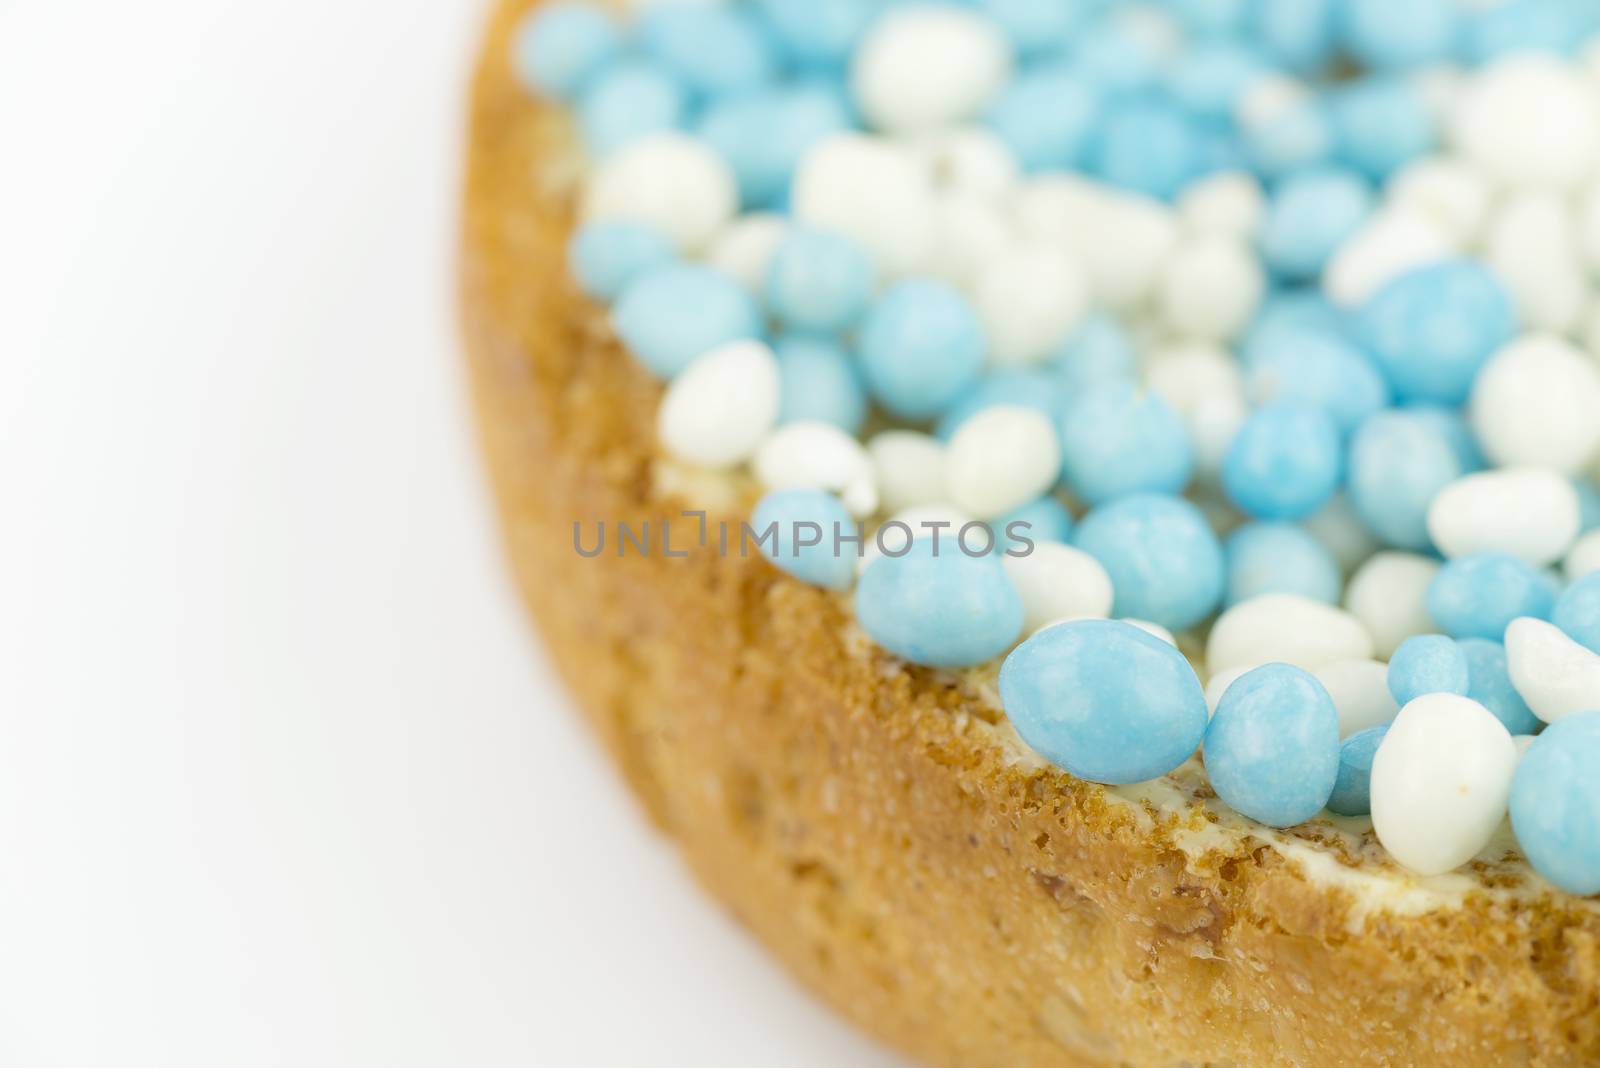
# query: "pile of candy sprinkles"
1272,326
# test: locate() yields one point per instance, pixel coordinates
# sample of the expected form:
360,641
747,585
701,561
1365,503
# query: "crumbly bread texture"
879,827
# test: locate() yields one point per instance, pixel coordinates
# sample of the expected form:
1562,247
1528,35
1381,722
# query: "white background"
283,780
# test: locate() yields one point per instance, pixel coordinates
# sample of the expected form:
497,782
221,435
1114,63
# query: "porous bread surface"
878,826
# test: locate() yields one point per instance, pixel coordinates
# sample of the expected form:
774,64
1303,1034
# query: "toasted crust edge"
859,816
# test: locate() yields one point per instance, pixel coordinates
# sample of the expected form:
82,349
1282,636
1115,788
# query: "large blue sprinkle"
712,49
1284,463
1352,790
1320,369
561,46
1478,596
1105,700
1432,328
1310,215
1268,558
938,606
1118,439
670,315
1428,663
808,536
1272,749
607,257
628,100
1577,612
1555,803
1490,685
819,382
1399,460
922,346
1164,560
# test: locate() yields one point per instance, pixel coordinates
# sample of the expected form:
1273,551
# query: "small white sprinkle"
1121,239
1126,247
1000,459
1340,530
1387,245
1190,373
1530,512
869,189
910,468
814,455
1452,195
924,67
1229,204
967,231
1441,781
1155,630
1530,120
1213,422
717,411
1388,594
744,250
1530,244
970,159
1030,298
671,181
1588,225
1553,673
1360,691
1269,98
1584,559
1219,682
1210,288
1285,628
1056,581
1535,403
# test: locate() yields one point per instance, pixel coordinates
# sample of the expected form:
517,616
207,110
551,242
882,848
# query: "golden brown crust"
866,821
